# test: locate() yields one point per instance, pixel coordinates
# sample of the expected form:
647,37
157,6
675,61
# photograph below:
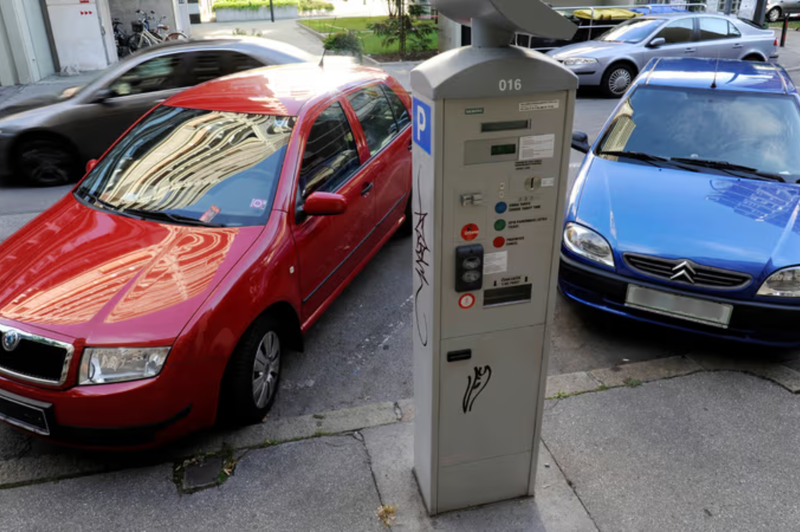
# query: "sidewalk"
789,56
684,443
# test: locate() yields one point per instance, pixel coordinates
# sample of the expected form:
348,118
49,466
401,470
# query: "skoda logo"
10,340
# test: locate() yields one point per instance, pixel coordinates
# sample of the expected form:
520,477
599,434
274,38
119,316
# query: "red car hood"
109,279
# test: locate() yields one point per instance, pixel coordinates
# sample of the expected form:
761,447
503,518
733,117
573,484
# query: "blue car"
686,210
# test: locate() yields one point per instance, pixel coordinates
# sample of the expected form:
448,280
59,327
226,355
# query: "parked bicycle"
121,39
143,36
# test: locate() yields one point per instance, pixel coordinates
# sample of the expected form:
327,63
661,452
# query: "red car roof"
279,90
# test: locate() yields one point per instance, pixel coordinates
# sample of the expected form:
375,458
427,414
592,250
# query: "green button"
499,225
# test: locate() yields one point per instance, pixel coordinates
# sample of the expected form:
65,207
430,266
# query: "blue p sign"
422,125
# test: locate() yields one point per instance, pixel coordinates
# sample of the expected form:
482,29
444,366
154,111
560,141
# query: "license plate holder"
23,413
677,306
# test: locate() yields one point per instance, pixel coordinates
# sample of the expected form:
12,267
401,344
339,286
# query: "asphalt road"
360,351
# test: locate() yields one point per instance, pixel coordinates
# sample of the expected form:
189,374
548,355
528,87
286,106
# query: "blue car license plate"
686,308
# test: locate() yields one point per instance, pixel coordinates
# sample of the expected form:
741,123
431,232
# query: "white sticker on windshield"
537,147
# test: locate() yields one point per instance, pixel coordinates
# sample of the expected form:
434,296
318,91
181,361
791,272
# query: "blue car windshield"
632,31
191,166
750,129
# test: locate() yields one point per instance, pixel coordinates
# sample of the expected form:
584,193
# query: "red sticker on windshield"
258,204
210,214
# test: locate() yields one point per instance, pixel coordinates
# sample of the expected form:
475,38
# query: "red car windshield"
195,167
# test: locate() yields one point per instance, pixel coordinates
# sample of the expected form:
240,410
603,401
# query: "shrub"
344,43
250,4
307,6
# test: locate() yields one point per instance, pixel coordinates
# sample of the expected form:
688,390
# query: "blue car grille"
686,272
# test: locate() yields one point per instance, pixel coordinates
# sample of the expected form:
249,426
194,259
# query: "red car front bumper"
128,415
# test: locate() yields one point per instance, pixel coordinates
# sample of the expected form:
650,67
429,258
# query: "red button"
499,242
466,301
469,232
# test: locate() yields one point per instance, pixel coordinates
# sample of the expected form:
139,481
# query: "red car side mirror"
90,165
324,204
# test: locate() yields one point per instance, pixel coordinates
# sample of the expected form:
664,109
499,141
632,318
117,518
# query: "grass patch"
339,24
632,383
793,24
250,4
373,45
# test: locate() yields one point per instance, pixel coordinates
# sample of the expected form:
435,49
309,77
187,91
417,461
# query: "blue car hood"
737,224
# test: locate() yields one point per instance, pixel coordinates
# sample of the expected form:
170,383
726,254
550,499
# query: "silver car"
613,60
778,9
46,141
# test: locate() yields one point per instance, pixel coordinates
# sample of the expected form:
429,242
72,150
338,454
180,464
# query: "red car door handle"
367,188
410,146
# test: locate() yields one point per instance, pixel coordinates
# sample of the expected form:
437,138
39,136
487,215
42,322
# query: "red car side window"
376,117
331,155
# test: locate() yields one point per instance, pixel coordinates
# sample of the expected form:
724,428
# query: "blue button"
501,207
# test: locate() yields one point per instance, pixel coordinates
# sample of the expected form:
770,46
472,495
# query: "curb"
316,34
29,470
569,384
38,469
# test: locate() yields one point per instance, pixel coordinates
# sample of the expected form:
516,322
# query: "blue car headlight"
589,244
783,283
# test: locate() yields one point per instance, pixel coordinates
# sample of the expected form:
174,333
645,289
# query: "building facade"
42,37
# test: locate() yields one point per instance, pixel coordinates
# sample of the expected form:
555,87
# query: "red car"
159,296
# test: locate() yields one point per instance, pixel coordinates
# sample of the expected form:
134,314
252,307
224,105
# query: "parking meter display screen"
493,127
504,149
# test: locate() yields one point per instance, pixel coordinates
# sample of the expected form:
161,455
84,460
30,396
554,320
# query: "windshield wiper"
97,202
166,216
733,169
654,160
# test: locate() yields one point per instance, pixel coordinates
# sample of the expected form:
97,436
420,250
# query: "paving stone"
652,370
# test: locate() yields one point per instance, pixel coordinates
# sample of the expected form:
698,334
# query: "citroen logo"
683,272
10,340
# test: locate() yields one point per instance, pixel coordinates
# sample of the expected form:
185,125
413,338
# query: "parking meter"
492,131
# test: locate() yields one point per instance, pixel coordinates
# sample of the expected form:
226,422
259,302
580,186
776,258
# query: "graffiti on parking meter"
420,261
475,385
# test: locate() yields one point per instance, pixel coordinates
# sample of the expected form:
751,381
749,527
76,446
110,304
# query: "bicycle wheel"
137,41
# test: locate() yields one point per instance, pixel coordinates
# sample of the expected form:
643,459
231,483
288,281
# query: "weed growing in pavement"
632,383
387,514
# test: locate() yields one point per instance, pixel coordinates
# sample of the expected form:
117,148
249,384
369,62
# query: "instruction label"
511,281
537,147
513,224
495,262
542,105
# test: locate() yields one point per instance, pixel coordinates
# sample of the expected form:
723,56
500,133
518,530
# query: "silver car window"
712,28
632,31
677,32
157,74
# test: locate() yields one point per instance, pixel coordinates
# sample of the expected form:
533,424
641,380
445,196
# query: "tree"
405,28
394,7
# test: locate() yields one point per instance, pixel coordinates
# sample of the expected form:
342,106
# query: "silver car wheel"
619,81
774,14
266,367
